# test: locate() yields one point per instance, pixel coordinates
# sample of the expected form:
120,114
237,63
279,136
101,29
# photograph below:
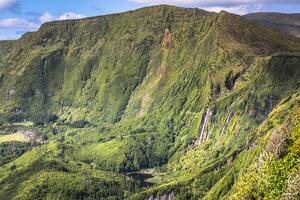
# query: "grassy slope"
13,137
144,93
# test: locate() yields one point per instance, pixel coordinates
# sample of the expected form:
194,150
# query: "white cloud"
6,4
46,17
71,15
214,2
240,9
3,37
234,6
187,2
18,23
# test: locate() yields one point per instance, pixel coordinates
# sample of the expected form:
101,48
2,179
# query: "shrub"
79,124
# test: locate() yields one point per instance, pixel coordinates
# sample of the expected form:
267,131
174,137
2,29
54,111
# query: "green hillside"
287,23
161,102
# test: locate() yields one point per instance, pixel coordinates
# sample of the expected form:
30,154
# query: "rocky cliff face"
193,93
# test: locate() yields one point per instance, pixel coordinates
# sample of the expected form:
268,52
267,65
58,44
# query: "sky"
20,16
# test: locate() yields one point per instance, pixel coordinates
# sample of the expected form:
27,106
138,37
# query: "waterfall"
225,124
206,116
208,132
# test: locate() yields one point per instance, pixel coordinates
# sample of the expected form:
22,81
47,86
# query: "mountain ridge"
284,22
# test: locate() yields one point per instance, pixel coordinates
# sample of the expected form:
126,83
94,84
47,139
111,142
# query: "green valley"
158,103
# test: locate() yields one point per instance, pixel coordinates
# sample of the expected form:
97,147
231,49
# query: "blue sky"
19,16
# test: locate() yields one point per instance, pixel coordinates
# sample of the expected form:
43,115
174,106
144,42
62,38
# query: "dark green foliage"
5,130
79,124
12,150
52,118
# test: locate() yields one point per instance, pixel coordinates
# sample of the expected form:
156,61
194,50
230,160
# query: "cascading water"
226,123
206,116
208,132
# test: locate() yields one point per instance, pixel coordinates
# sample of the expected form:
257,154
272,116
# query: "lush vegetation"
9,151
130,92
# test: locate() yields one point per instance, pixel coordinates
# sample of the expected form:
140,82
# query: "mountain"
157,103
287,23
